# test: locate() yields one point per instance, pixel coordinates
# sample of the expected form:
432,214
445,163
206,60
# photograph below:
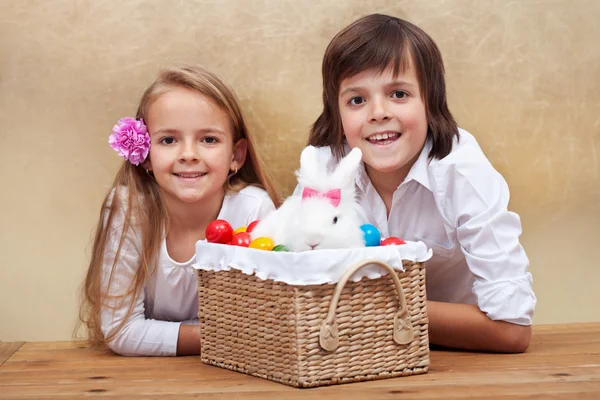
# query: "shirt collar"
419,171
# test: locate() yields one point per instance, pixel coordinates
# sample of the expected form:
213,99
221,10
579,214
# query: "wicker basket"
306,336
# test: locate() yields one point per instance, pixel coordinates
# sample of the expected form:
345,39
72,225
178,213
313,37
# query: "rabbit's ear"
309,164
347,169
309,157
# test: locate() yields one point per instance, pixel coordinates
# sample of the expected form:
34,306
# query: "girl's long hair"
134,202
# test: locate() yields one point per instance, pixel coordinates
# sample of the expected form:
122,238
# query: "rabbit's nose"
312,246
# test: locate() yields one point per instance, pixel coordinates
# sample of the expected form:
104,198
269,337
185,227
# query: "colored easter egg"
280,247
262,243
242,239
240,229
371,234
219,231
392,240
252,225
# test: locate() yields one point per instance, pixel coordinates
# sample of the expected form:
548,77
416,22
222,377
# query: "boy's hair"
378,42
143,210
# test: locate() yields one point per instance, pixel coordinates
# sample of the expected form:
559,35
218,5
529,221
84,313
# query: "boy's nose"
379,110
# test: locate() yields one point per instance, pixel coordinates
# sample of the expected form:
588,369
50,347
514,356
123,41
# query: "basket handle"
403,330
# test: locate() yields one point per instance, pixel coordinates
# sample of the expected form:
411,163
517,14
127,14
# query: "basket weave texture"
271,329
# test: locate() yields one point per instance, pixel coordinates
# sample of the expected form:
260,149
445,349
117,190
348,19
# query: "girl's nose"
189,151
379,110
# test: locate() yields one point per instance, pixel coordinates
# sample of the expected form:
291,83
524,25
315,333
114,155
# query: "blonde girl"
190,159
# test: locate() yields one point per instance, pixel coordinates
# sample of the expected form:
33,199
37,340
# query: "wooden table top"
563,362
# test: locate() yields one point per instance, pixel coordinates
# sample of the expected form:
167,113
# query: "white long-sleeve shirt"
457,206
170,295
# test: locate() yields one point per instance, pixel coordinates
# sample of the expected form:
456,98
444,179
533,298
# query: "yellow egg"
262,243
240,229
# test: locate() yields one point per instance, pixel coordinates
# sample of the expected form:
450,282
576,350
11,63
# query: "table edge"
7,349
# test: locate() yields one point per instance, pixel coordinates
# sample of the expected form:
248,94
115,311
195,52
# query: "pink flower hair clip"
130,139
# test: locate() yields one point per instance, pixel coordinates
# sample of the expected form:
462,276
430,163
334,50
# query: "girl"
424,179
194,162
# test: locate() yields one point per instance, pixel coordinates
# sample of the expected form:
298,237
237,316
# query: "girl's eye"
210,140
355,101
399,94
167,140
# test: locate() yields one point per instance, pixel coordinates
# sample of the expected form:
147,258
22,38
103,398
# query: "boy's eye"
399,94
210,140
167,140
355,101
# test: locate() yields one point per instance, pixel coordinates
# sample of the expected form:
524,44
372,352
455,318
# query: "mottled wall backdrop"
523,77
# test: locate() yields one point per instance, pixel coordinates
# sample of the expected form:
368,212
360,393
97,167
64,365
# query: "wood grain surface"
563,362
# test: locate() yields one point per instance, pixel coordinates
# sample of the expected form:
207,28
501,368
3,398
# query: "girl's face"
192,149
386,118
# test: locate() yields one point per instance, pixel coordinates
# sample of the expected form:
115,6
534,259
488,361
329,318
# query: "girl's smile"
189,175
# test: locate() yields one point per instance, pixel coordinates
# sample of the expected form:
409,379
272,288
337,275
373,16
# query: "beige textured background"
523,76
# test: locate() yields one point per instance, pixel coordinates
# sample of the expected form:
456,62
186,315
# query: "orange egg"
262,243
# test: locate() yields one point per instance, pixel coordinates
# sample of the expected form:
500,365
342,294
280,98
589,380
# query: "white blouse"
170,295
457,206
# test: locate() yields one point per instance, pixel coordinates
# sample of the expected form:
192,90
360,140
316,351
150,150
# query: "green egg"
280,247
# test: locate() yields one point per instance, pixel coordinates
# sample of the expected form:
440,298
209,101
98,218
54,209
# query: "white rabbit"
326,215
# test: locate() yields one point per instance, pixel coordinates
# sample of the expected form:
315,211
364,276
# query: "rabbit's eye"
335,220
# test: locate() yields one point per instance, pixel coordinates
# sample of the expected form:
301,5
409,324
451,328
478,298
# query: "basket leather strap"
403,330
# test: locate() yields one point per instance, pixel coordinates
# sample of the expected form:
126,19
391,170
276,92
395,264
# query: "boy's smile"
384,137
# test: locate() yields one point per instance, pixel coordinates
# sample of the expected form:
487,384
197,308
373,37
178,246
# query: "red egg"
392,241
252,226
219,231
242,239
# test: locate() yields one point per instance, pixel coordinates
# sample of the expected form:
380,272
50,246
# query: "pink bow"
334,196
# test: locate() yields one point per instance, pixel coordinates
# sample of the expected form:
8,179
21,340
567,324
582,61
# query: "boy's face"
386,118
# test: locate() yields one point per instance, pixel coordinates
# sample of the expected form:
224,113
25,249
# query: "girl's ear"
239,154
147,165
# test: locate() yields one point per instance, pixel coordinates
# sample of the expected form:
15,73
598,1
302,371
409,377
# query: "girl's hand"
188,343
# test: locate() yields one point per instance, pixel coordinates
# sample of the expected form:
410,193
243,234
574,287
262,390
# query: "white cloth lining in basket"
309,267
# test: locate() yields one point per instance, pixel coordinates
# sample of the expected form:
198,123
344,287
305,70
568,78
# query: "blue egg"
372,235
